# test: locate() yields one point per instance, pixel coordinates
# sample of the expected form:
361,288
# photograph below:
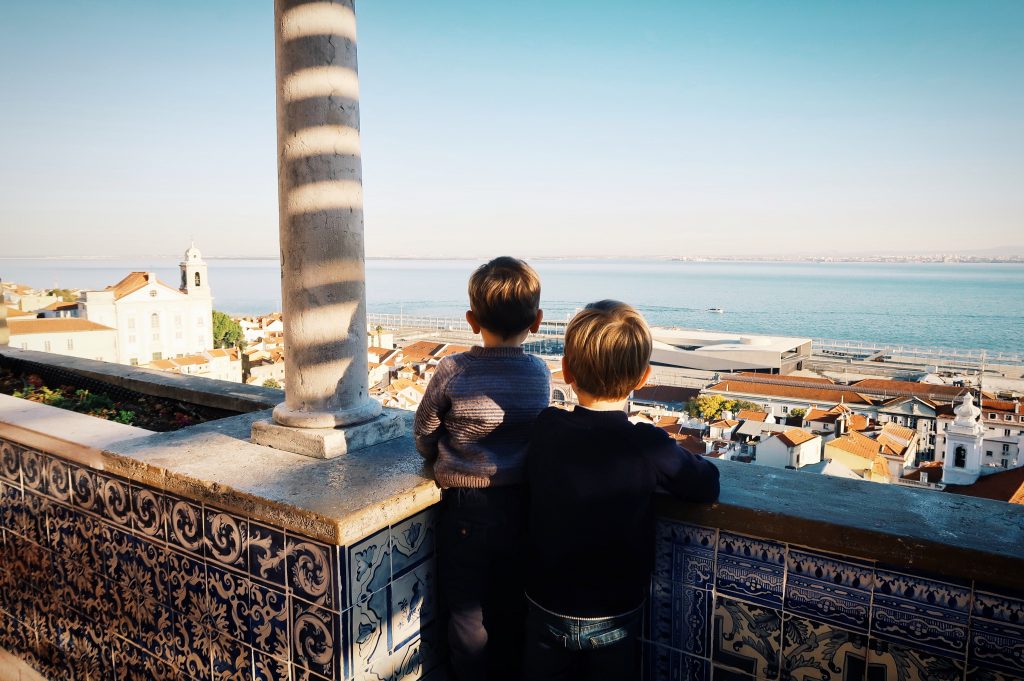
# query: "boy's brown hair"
504,295
608,349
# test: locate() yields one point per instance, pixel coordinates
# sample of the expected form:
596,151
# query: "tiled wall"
726,606
101,578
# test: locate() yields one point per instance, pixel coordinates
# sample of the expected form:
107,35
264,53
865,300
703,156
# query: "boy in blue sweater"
592,475
474,424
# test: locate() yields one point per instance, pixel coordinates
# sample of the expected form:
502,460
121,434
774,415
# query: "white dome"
193,253
967,413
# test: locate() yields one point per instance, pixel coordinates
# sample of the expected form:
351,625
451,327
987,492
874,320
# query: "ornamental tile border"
101,577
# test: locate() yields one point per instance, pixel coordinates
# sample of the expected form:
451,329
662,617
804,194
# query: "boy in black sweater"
591,475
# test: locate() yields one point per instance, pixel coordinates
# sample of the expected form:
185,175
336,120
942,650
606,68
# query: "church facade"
154,320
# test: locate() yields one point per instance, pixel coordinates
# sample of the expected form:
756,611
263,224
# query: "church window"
131,322
558,396
960,461
154,320
197,279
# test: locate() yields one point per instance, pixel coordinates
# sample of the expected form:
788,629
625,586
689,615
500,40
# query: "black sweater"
592,475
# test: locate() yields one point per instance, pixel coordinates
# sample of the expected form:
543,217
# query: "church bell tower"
194,281
964,442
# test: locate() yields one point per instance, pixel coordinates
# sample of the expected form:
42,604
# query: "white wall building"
153,320
792,449
1003,439
64,336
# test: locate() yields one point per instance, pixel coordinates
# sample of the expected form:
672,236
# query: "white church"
966,459
154,320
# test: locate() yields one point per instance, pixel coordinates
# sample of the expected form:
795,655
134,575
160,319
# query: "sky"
536,128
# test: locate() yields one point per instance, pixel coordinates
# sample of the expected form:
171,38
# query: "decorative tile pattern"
750,569
101,578
682,615
665,664
920,612
686,554
829,589
814,650
892,662
746,638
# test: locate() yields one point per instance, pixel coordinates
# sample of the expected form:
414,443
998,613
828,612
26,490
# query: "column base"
327,443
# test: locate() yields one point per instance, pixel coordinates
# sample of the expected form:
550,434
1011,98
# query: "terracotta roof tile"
751,415
22,327
795,436
806,393
1006,486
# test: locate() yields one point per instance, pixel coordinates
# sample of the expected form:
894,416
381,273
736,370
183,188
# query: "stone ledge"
206,392
928,530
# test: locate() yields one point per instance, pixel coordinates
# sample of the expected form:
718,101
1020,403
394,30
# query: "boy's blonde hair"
504,295
608,349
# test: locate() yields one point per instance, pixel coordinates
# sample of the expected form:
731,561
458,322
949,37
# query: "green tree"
271,383
709,407
743,404
64,294
226,331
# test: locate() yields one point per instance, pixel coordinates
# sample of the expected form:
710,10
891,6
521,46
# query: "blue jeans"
563,647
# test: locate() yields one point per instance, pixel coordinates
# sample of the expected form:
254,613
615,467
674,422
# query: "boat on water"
716,309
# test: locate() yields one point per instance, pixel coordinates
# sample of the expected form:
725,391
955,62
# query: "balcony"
196,554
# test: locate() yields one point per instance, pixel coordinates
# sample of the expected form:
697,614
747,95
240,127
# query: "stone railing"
198,555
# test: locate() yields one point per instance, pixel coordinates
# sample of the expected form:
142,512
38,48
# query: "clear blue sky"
534,127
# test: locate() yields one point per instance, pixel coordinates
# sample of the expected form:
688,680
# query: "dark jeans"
481,534
564,648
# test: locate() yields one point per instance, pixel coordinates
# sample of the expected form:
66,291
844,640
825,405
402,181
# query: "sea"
953,305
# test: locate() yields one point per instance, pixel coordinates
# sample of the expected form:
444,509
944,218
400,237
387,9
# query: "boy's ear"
566,374
536,322
471,320
644,379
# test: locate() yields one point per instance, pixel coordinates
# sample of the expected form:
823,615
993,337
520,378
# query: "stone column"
321,232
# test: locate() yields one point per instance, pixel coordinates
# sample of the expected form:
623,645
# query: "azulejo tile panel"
798,613
104,578
681,614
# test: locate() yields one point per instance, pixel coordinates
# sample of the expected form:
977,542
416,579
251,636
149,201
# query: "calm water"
953,305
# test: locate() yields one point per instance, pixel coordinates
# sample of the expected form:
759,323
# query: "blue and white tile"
998,605
667,664
185,525
828,588
750,569
229,602
920,612
33,470
117,500
267,668
149,513
413,602
369,624
231,659
191,647
997,646
86,490
312,571
268,558
685,553
186,586
812,651
680,617
893,662
268,621
412,541
226,537
10,462
369,566
746,638
58,476
317,644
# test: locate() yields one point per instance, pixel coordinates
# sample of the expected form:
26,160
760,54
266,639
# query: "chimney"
842,424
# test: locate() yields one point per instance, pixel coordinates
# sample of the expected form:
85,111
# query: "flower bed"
144,411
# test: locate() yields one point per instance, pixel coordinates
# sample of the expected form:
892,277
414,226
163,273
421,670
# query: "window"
156,336
46,345
1007,418
177,321
131,339
785,410
1006,432
178,335
197,280
991,416
1004,461
134,361
961,457
154,321
157,355
24,346
152,293
1022,419
1006,449
199,321
71,344
894,419
988,453
131,322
